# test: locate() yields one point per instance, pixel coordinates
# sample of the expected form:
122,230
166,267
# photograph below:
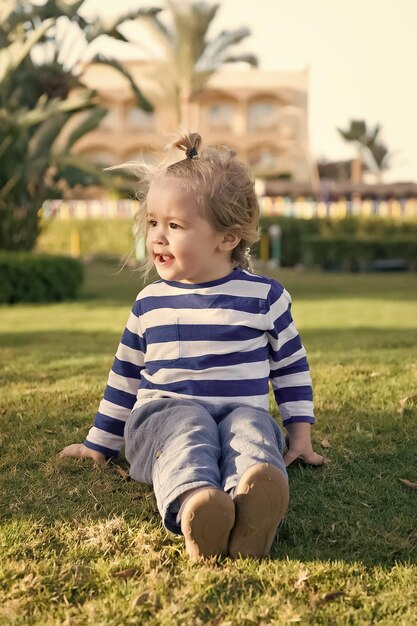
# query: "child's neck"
212,274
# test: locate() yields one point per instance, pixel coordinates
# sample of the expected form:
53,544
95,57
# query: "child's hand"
300,446
80,451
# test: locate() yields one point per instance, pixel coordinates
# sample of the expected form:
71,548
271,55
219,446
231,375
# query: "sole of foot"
261,501
206,522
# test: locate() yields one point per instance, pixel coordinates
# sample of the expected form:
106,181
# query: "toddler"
188,393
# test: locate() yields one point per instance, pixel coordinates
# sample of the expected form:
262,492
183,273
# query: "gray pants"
176,445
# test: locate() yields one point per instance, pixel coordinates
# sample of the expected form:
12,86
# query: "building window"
263,159
140,120
290,126
262,115
220,115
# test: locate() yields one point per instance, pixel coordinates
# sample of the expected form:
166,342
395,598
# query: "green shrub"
293,231
114,237
354,254
352,232
98,236
26,277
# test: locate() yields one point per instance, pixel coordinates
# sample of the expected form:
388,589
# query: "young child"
188,393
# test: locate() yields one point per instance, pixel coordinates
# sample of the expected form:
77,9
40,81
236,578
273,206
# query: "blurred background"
318,98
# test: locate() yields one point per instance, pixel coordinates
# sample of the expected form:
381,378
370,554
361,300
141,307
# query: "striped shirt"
220,342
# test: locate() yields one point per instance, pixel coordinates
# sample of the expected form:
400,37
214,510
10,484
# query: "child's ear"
229,241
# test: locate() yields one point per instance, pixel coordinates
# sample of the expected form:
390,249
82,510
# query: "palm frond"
224,41
89,123
7,141
142,101
78,162
37,13
110,27
70,8
348,135
45,108
248,58
371,138
358,129
12,56
161,35
191,22
6,10
45,135
10,184
380,155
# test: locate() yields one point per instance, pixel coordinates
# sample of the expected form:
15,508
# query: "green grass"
348,552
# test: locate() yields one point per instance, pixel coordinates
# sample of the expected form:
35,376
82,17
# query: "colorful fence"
298,208
307,209
86,209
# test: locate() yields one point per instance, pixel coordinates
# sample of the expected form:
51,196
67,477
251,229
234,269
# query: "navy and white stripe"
223,341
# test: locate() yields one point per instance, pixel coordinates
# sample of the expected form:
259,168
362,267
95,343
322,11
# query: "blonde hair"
223,186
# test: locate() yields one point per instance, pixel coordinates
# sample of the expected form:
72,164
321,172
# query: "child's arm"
290,378
80,451
105,437
300,446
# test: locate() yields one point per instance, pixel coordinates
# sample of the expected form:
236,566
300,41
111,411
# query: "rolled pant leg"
174,445
248,436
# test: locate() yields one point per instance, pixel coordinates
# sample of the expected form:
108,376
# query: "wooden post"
264,248
75,243
356,170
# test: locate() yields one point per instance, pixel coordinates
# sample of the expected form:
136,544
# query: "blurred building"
262,115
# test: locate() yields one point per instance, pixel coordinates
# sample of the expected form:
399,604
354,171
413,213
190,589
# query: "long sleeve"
289,370
106,435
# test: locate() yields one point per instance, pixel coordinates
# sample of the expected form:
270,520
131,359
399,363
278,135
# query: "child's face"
183,245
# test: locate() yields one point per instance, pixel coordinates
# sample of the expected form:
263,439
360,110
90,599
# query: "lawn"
84,545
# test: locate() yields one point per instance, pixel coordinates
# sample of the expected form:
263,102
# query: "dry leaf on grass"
327,597
325,443
141,598
408,483
125,573
122,473
302,577
404,401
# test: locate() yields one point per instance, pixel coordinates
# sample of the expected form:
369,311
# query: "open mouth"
163,259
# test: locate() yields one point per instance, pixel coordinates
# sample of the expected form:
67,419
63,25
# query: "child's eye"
174,226
152,223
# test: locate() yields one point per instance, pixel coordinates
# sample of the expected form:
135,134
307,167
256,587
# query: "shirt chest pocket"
163,342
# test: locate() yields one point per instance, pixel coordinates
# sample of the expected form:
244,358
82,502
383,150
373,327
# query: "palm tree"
36,107
190,57
371,150
66,42
381,158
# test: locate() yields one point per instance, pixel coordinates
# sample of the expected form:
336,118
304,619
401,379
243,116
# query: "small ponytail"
189,143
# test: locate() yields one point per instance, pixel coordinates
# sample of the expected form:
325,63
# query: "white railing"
86,209
287,207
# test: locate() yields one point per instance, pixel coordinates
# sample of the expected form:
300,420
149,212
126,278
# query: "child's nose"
159,237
